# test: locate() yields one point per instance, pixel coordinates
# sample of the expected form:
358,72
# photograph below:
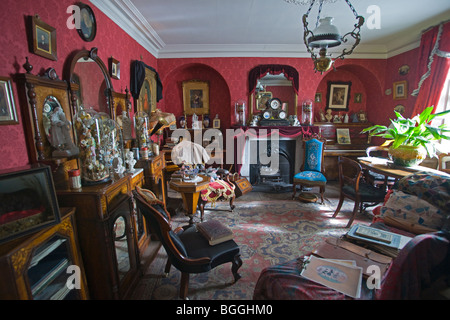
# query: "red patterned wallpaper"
227,76
110,41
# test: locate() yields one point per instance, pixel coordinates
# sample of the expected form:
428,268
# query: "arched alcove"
363,82
219,92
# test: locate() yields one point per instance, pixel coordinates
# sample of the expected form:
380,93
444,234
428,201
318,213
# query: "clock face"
266,115
275,103
282,115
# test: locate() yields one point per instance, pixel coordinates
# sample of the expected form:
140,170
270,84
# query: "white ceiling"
266,28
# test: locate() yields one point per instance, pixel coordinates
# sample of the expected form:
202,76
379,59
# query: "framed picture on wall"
43,39
318,97
338,95
147,94
195,97
400,90
8,114
114,68
88,24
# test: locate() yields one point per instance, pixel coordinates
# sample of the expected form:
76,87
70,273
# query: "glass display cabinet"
36,266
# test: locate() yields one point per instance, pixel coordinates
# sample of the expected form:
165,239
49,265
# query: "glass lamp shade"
326,35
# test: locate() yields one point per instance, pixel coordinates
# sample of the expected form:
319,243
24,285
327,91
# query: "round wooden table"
190,192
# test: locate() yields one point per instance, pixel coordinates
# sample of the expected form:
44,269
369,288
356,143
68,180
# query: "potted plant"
410,140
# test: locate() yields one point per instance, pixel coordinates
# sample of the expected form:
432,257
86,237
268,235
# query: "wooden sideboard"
357,147
106,236
154,174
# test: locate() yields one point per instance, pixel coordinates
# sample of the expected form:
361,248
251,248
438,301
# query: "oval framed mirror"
90,83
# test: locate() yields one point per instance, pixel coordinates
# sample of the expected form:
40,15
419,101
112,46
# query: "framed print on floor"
338,95
196,97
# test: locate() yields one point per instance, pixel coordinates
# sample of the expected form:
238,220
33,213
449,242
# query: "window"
444,104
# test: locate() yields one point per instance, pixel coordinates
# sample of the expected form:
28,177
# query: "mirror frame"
74,87
269,68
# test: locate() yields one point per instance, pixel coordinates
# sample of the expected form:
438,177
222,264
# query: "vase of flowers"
410,140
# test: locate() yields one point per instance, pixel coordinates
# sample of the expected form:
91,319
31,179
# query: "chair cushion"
368,193
313,155
310,176
216,190
148,196
197,247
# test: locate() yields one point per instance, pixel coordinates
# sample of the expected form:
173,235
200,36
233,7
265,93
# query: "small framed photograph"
8,114
358,98
362,116
28,197
318,97
216,123
343,136
338,95
196,97
400,90
114,68
44,39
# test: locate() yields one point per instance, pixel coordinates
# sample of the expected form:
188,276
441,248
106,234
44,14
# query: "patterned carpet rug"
268,233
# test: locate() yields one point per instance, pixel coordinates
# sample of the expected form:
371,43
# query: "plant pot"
407,156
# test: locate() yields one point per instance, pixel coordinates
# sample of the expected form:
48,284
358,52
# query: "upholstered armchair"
312,170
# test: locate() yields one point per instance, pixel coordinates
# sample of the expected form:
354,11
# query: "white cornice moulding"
274,51
127,17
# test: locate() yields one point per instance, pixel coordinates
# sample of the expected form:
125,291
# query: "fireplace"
258,150
261,172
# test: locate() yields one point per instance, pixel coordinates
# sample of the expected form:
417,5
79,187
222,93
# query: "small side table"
190,192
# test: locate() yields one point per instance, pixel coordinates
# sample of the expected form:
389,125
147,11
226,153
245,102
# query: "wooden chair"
186,248
312,172
377,179
352,186
444,159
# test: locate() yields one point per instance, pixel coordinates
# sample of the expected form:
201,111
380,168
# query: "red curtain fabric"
431,87
261,70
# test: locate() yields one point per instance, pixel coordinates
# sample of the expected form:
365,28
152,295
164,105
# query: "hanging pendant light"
326,35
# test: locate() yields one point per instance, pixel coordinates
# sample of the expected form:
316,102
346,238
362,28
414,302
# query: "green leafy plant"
417,131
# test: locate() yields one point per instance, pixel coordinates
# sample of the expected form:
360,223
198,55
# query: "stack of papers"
385,242
341,275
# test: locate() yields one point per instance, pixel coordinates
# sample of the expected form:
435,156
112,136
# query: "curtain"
434,64
261,70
